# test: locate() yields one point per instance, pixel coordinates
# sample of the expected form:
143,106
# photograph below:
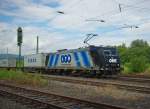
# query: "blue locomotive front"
93,60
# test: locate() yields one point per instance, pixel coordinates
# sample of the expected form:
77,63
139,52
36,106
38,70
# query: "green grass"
127,70
21,64
23,78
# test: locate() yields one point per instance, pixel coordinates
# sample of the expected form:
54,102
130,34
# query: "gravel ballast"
110,94
6,103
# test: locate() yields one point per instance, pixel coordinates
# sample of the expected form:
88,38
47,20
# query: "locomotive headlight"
107,65
102,69
106,68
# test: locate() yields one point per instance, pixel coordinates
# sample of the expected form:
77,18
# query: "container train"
92,60
11,63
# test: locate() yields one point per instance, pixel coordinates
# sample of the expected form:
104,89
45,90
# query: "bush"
138,64
126,69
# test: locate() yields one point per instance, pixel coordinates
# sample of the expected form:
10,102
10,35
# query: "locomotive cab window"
111,52
107,52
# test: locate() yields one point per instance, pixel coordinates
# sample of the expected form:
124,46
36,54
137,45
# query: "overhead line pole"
37,47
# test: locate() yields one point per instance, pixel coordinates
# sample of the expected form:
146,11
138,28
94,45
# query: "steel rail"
96,82
134,79
51,100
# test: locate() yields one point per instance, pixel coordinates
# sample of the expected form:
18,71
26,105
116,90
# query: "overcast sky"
68,30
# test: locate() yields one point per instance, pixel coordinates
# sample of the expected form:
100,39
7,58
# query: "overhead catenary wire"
131,6
73,4
120,5
140,2
114,12
121,8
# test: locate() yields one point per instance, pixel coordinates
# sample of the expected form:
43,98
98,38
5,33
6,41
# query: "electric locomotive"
92,60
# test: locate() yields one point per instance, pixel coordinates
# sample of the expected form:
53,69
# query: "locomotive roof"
82,48
77,49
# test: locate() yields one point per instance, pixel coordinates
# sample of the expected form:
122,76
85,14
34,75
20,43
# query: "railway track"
137,76
99,82
134,79
42,100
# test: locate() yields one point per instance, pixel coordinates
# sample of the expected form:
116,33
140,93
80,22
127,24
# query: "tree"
139,43
135,58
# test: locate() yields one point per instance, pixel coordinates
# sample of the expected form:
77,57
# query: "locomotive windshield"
110,52
107,52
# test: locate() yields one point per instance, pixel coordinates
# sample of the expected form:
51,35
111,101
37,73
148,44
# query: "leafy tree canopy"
136,57
139,43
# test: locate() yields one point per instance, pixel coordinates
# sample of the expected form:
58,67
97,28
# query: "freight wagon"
35,62
8,63
11,63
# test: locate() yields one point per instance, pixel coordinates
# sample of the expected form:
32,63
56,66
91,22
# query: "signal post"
19,43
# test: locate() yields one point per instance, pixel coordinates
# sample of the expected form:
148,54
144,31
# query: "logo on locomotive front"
112,60
66,58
